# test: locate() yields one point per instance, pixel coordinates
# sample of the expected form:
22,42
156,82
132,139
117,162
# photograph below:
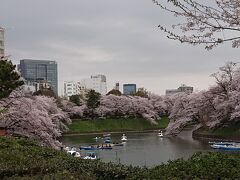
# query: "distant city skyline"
117,38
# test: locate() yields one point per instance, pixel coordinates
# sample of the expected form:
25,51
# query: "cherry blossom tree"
35,117
218,106
74,111
210,23
127,106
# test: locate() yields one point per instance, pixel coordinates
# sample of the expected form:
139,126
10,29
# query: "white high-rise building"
2,49
70,88
97,83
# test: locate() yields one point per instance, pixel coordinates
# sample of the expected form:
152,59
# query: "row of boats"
225,145
106,145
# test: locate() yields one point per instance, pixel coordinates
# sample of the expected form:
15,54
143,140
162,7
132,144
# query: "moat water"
143,149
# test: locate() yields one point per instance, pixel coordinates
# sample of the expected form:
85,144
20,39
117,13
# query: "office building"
182,88
96,82
70,88
32,87
82,87
129,89
117,86
37,71
170,92
2,49
186,89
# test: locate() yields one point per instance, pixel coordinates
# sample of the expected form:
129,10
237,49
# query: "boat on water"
107,140
88,148
98,147
118,144
160,134
226,146
97,138
106,147
106,134
74,153
90,155
124,138
221,143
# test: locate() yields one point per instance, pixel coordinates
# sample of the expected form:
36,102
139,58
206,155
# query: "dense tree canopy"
75,99
9,78
210,23
142,93
218,106
35,117
93,98
115,92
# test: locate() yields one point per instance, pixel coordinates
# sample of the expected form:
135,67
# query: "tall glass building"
34,71
129,89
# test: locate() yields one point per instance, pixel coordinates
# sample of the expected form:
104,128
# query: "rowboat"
88,148
98,147
90,155
106,135
226,146
108,147
107,140
117,144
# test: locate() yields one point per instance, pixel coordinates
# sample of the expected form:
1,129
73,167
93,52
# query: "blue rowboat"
226,146
105,148
87,148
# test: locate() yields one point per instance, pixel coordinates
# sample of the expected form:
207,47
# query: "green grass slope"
118,124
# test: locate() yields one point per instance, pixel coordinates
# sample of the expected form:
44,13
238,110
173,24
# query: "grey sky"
117,38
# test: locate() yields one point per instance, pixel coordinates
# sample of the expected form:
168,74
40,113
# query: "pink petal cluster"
35,117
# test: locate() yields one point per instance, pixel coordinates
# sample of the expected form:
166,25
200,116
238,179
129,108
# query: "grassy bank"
230,132
23,159
119,124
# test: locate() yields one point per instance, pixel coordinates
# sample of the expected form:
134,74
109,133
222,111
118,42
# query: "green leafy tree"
142,93
75,99
115,92
93,101
9,78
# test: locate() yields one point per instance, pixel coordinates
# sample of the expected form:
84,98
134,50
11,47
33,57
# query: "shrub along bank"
231,132
118,124
23,159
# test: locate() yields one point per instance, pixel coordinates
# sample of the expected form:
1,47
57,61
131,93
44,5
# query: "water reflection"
144,149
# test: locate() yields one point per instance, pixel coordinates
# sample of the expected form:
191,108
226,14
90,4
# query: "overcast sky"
117,38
